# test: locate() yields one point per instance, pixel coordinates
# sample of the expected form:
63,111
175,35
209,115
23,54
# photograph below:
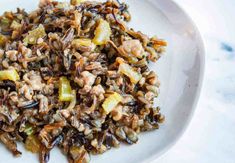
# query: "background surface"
210,137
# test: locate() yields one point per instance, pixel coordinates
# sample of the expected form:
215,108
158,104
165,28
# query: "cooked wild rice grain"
75,76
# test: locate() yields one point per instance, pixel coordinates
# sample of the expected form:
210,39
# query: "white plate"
180,72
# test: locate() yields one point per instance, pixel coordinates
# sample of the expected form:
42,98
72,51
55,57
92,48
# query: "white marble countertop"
210,137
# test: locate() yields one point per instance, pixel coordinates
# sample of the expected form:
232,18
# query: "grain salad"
74,76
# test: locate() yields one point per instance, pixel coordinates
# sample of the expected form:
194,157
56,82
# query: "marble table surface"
210,137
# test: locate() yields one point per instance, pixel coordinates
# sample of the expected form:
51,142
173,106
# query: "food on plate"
74,76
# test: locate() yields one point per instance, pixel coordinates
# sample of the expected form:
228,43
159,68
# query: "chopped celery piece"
102,33
65,90
15,25
32,144
81,42
111,102
132,59
10,74
5,22
76,2
129,72
63,5
34,35
29,129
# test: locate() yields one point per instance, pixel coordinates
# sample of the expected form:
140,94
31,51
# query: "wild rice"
75,76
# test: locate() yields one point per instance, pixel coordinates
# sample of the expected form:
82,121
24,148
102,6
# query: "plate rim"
202,57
